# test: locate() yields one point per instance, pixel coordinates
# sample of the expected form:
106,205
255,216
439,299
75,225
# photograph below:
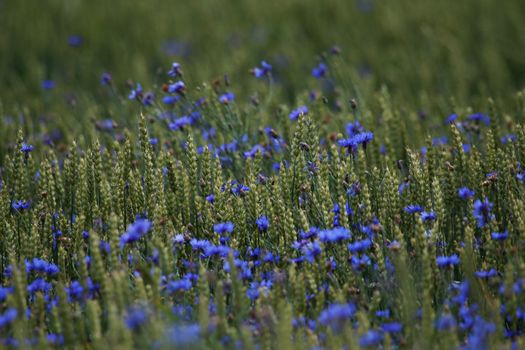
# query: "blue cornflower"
135,232
136,317
335,314
413,208
227,98
465,193
170,99
428,216
452,118
392,327
199,244
263,70
446,322
296,113
210,198
149,98
179,87
178,285
251,153
354,128
7,317
479,117
75,291
311,250
447,261
262,223
184,335
42,266
360,246
334,235
359,262
39,285
105,79
75,40
371,338
486,274
223,227
20,205
26,148
482,212
383,313
319,71
179,123
500,236
136,93
48,84
175,70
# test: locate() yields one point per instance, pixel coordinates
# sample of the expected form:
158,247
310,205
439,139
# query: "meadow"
262,175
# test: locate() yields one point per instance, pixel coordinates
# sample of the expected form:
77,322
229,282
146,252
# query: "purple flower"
75,40
136,93
360,246
48,84
486,274
20,205
135,232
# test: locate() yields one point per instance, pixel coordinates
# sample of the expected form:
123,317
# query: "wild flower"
263,70
447,261
296,113
482,212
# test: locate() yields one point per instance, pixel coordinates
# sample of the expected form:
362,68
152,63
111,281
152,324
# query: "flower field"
240,175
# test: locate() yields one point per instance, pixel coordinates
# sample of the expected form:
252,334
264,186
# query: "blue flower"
136,93
360,246
75,291
446,322
180,123
319,71
486,274
335,314
479,117
105,79
75,40
137,317
178,285
500,236
20,205
392,327
428,216
263,70
227,98
48,84
447,261
26,148
210,198
39,285
311,250
184,335
359,262
135,232
296,113
413,208
223,227
262,223
371,338
179,87
334,235
7,317
482,212
465,193
174,70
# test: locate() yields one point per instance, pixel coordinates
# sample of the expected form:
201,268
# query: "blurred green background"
447,47
424,51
